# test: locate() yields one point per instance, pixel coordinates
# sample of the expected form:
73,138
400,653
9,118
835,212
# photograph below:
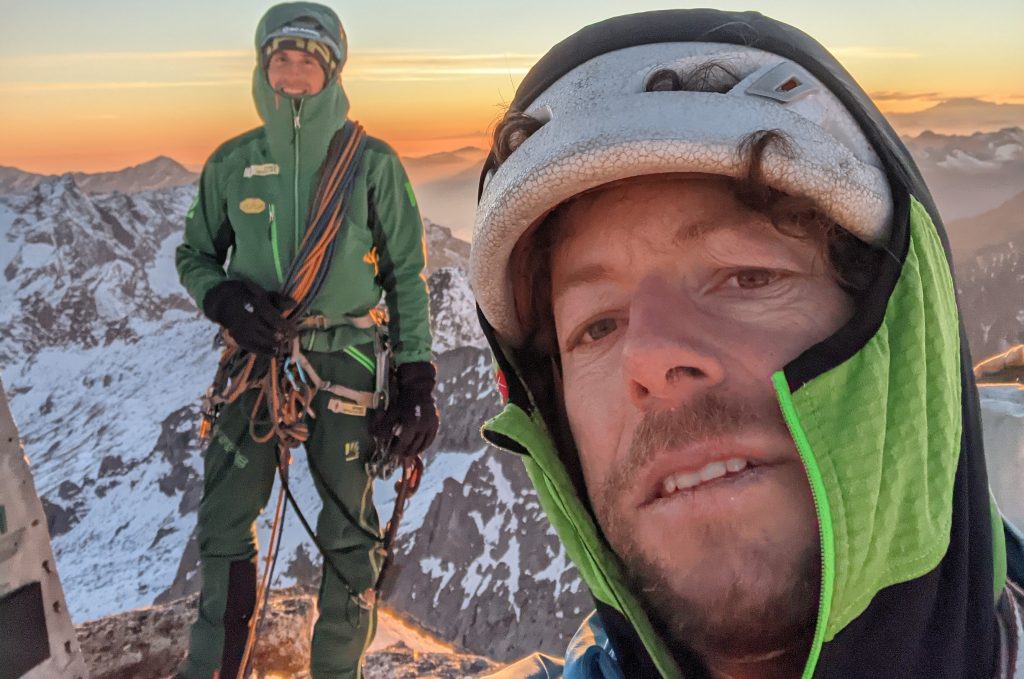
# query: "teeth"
668,486
684,481
735,464
710,472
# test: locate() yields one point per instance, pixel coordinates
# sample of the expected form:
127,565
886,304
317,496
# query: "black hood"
942,624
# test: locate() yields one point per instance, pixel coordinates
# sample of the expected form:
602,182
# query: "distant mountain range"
445,159
970,174
445,183
976,179
160,173
959,116
446,186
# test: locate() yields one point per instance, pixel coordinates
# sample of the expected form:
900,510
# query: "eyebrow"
591,273
695,230
594,272
584,275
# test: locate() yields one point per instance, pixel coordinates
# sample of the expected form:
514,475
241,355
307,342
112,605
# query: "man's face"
674,304
294,72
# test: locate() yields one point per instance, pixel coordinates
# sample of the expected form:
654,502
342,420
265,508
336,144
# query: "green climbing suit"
254,195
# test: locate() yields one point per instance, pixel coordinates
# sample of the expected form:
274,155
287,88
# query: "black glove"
252,315
410,423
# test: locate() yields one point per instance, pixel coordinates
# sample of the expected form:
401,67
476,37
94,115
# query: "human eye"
752,279
594,331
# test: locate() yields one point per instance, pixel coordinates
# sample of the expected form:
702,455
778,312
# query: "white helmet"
600,124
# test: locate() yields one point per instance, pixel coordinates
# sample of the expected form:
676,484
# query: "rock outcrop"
150,643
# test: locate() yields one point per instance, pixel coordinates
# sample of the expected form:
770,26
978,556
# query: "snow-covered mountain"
991,288
996,227
105,358
159,173
82,271
969,174
444,249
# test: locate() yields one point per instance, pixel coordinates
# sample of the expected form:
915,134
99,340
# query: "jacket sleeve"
208,237
401,250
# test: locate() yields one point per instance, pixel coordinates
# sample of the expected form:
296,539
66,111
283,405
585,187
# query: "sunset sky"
103,84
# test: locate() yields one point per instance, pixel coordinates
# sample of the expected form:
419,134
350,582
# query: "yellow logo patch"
252,206
336,405
351,451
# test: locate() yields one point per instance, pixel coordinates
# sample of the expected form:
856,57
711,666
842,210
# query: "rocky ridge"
151,642
159,173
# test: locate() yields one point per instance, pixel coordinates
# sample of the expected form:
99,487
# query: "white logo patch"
265,170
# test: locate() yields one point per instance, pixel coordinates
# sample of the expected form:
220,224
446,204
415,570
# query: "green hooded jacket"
884,415
254,196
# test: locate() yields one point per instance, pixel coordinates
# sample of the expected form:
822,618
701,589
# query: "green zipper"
274,244
298,126
821,507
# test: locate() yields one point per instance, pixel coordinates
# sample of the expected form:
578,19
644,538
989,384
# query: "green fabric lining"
885,430
598,567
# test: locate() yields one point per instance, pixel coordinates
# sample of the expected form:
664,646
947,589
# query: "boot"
241,603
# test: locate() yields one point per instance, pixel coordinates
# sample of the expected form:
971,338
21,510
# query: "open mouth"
713,472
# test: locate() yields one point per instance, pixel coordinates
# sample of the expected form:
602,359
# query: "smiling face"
673,306
295,72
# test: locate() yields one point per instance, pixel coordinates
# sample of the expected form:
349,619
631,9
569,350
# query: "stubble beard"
741,600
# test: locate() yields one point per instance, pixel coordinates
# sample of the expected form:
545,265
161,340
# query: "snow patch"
432,567
35,255
163,276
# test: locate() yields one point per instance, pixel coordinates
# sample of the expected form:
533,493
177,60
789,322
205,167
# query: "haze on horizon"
112,83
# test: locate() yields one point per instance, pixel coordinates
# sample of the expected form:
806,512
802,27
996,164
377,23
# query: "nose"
669,352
